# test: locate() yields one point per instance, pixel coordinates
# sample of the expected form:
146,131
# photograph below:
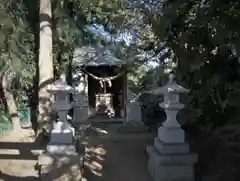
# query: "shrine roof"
95,56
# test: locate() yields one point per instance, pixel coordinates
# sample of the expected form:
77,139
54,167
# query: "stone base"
65,137
171,148
171,134
60,167
171,167
61,149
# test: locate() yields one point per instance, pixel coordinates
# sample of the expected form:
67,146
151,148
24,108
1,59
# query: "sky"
98,30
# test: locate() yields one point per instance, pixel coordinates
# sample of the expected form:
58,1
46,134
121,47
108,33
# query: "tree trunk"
11,105
45,66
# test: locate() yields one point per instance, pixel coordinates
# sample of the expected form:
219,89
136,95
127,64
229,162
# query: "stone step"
172,159
171,167
170,148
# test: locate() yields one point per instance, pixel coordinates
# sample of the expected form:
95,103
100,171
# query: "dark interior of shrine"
115,89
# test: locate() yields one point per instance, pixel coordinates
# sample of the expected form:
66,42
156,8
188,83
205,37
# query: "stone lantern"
62,133
170,158
61,161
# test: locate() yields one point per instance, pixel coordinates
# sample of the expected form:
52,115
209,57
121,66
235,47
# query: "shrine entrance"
106,91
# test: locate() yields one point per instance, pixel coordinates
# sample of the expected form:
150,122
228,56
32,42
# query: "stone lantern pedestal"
170,158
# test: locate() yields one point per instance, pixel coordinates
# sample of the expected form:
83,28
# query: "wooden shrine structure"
103,79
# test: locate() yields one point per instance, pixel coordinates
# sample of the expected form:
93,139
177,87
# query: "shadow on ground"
18,157
7,177
110,156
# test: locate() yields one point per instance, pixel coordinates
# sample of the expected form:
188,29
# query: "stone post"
80,108
170,158
80,100
60,158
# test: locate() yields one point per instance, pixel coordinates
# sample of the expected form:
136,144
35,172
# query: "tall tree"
10,101
17,66
45,66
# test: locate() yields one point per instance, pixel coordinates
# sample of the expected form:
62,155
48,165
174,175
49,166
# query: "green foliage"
18,55
70,19
19,39
204,38
152,114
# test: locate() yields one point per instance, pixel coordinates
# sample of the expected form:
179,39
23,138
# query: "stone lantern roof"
170,87
60,85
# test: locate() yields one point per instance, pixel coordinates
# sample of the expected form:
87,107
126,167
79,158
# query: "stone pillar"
80,108
170,158
80,100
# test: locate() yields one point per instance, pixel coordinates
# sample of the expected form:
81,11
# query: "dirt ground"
111,155
116,156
